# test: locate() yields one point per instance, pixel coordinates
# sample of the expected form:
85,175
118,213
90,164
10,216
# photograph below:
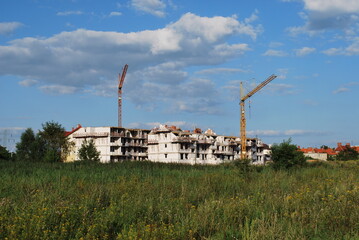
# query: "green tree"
25,148
88,152
56,143
286,155
4,154
347,153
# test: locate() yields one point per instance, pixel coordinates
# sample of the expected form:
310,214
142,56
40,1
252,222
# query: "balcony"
182,139
223,152
139,154
116,134
184,150
152,142
89,134
202,141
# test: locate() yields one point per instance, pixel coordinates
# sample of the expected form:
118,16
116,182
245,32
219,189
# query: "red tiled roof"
67,133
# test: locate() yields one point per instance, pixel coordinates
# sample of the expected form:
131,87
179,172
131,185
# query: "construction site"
170,144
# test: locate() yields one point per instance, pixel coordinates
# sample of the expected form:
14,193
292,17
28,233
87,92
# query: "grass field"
141,200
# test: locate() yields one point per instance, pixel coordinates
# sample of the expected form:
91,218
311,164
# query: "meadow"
142,200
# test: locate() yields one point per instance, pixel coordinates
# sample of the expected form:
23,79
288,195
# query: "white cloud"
275,53
67,13
28,82
112,14
9,27
211,71
304,51
346,87
57,89
351,50
150,125
341,90
282,73
332,6
85,60
283,133
327,14
154,7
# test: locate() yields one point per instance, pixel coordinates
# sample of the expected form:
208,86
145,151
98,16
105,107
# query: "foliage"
347,153
26,148
57,144
49,145
88,152
286,155
4,154
142,200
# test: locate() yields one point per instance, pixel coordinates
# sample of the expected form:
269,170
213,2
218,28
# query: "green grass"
141,200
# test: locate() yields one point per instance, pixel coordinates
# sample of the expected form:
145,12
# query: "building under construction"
167,144
170,144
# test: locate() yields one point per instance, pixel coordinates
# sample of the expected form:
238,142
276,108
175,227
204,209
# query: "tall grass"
141,200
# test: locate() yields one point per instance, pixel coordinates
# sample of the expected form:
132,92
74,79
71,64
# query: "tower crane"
243,117
121,79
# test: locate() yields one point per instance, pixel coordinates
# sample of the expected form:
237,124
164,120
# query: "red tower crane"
121,79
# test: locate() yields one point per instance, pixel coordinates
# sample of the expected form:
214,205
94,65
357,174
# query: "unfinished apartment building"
170,144
114,143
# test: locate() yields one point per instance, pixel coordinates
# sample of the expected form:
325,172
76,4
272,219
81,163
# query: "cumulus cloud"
86,60
153,7
9,27
304,51
322,15
351,50
28,82
275,53
332,6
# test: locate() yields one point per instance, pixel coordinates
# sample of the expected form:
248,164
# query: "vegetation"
88,152
141,200
347,153
49,145
286,155
4,154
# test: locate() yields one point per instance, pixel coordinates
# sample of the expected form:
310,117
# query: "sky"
60,60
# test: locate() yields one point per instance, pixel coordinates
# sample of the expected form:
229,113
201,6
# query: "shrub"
88,152
286,155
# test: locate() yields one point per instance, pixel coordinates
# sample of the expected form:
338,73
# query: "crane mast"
121,79
242,109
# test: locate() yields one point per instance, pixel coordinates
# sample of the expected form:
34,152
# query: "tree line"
50,144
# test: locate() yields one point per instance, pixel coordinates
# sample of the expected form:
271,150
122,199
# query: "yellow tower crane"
243,117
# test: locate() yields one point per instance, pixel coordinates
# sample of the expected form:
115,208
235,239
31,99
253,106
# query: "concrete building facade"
114,143
169,144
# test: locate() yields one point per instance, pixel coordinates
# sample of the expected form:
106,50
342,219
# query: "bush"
88,152
286,155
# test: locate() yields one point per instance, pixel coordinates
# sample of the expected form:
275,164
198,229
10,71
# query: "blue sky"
59,61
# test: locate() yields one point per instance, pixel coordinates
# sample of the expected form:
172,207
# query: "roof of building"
67,133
